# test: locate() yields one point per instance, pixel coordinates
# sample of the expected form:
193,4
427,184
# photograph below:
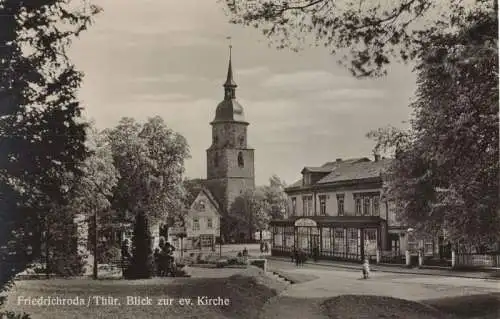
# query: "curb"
396,271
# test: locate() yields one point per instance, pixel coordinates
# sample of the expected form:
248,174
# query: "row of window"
334,240
196,223
365,205
241,161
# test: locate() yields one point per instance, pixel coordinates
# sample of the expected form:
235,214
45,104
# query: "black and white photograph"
254,159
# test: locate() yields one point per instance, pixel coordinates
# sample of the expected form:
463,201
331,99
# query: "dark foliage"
445,175
368,35
141,263
41,138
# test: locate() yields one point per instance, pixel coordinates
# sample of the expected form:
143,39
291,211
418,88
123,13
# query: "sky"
169,58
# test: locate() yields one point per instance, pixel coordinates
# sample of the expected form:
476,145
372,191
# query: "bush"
142,262
110,254
13,315
221,263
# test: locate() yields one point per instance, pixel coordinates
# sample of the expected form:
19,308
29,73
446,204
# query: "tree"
249,212
445,175
41,139
150,159
141,264
370,34
93,191
275,197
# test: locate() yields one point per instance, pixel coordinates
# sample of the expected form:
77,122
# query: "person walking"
366,269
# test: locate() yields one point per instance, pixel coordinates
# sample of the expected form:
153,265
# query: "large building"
339,208
230,160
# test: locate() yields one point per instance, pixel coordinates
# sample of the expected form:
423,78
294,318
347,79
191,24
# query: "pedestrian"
296,255
366,269
315,254
157,264
245,252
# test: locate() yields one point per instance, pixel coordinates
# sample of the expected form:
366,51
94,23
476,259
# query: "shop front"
336,238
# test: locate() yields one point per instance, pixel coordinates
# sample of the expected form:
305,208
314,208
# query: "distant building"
202,222
339,209
230,160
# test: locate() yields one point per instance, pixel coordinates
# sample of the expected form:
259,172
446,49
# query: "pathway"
333,282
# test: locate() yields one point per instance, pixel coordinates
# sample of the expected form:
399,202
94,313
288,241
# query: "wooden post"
408,258
453,259
420,258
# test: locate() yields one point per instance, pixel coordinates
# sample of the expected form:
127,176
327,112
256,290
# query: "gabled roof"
346,170
356,170
330,166
211,197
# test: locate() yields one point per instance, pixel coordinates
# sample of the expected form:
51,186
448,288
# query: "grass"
484,306
366,306
247,293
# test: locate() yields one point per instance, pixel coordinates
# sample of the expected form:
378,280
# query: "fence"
390,257
478,260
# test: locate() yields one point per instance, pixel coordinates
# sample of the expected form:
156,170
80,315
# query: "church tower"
230,161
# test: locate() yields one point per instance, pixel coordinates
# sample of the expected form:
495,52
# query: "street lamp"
220,237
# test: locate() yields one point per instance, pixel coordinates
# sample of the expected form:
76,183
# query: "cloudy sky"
169,58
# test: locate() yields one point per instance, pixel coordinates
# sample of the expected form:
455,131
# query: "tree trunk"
47,249
94,270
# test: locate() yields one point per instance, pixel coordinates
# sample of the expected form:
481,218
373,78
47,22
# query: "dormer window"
306,179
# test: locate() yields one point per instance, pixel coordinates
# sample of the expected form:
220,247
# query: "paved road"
333,282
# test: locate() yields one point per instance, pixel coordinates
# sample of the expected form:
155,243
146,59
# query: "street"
333,282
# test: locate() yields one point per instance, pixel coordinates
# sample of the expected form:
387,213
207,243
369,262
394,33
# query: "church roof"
229,110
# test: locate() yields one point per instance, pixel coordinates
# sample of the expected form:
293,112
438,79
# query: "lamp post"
220,238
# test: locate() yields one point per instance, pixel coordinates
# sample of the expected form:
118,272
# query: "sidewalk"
401,269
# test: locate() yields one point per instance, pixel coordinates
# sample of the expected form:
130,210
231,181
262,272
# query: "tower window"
216,159
241,162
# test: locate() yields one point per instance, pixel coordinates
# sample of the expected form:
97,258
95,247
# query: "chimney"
377,157
338,160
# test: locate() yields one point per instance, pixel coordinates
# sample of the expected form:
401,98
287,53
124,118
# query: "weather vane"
230,45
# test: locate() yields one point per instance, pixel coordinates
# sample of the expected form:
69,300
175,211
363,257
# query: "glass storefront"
333,242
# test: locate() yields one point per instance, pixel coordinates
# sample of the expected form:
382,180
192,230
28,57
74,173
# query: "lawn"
247,292
364,306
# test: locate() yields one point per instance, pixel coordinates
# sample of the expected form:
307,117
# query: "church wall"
232,135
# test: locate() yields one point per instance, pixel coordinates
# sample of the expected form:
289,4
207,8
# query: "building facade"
230,160
202,222
340,210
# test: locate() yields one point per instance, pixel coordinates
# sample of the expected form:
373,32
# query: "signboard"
305,222
176,231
